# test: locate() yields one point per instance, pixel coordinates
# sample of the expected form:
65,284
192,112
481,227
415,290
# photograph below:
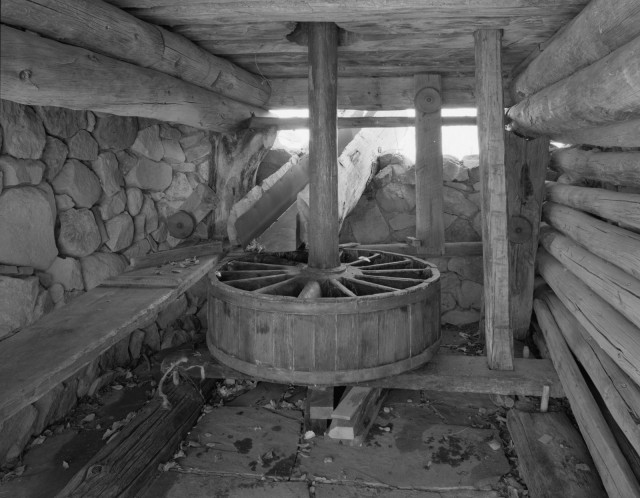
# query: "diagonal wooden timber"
58,345
447,373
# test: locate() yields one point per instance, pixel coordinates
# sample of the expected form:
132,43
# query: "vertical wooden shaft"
498,336
429,188
323,149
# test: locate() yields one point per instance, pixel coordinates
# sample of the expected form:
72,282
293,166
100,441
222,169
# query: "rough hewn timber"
617,477
623,134
613,244
323,146
358,122
428,166
618,168
108,30
614,206
498,334
38,71
526,165
599,29
605,92
616,335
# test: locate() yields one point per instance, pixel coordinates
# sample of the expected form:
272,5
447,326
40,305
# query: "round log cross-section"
274,317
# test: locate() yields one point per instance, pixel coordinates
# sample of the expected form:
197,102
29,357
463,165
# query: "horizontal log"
611,283
618,168
605,92
613,244
606,376
614,206
38,71
359,122
616,335
623,134
449,373
383,93
108,30
450,249
599,29
614,470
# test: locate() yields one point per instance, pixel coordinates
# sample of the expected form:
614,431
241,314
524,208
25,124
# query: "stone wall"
386,214
82,193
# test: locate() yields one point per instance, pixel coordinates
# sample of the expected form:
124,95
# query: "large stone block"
456,203
17,301
134,200
113,205
180,188
106,168
468,267
460,317
83,146
453,170
79,235
461,231
402,221
27,228
17,172
78,182
100,266
61,122
54,155
148,143
367,223
115,132
120,231
470,295
173,153
23,132
397,198
149,175
150,214
67,272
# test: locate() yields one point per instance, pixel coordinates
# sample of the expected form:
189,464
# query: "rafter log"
359,122
38,71
619,168
622,134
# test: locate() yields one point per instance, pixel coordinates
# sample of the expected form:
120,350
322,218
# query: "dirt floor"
250,441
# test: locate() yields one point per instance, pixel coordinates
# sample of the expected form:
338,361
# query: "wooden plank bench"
445,372
54,348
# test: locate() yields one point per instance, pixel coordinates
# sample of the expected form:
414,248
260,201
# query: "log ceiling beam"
38,71
607,91
601,27
383,93
108,30
358,122
217,11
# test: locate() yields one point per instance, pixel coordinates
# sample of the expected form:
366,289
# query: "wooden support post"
323,147
318,409
498,336
429,188
526,166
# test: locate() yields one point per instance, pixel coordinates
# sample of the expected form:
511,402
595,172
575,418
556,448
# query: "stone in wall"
83,146
134,200
367,223
54,156
456,203
23,132
120,232
112,206
148,143
396,197
106,168
79,182
469,267
459,317
174,155
79,235
17,172
115,132
15,432
61,122
100,266
17,301
453,170
27,228
149,175
461,230
67,272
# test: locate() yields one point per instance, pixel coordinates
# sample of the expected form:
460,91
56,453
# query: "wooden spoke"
250,265
229,275
256,283
398,283
418,273
363,288
363,261
290,287
393,265
341,288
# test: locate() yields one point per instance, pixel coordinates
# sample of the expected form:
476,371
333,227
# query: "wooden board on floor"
359,491
193,485
452,373
433,456
246,441
553,458
55,347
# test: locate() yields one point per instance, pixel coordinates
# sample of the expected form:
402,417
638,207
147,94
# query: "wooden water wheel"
329,315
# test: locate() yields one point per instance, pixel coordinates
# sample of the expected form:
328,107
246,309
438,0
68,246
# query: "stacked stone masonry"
81,194
386,213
